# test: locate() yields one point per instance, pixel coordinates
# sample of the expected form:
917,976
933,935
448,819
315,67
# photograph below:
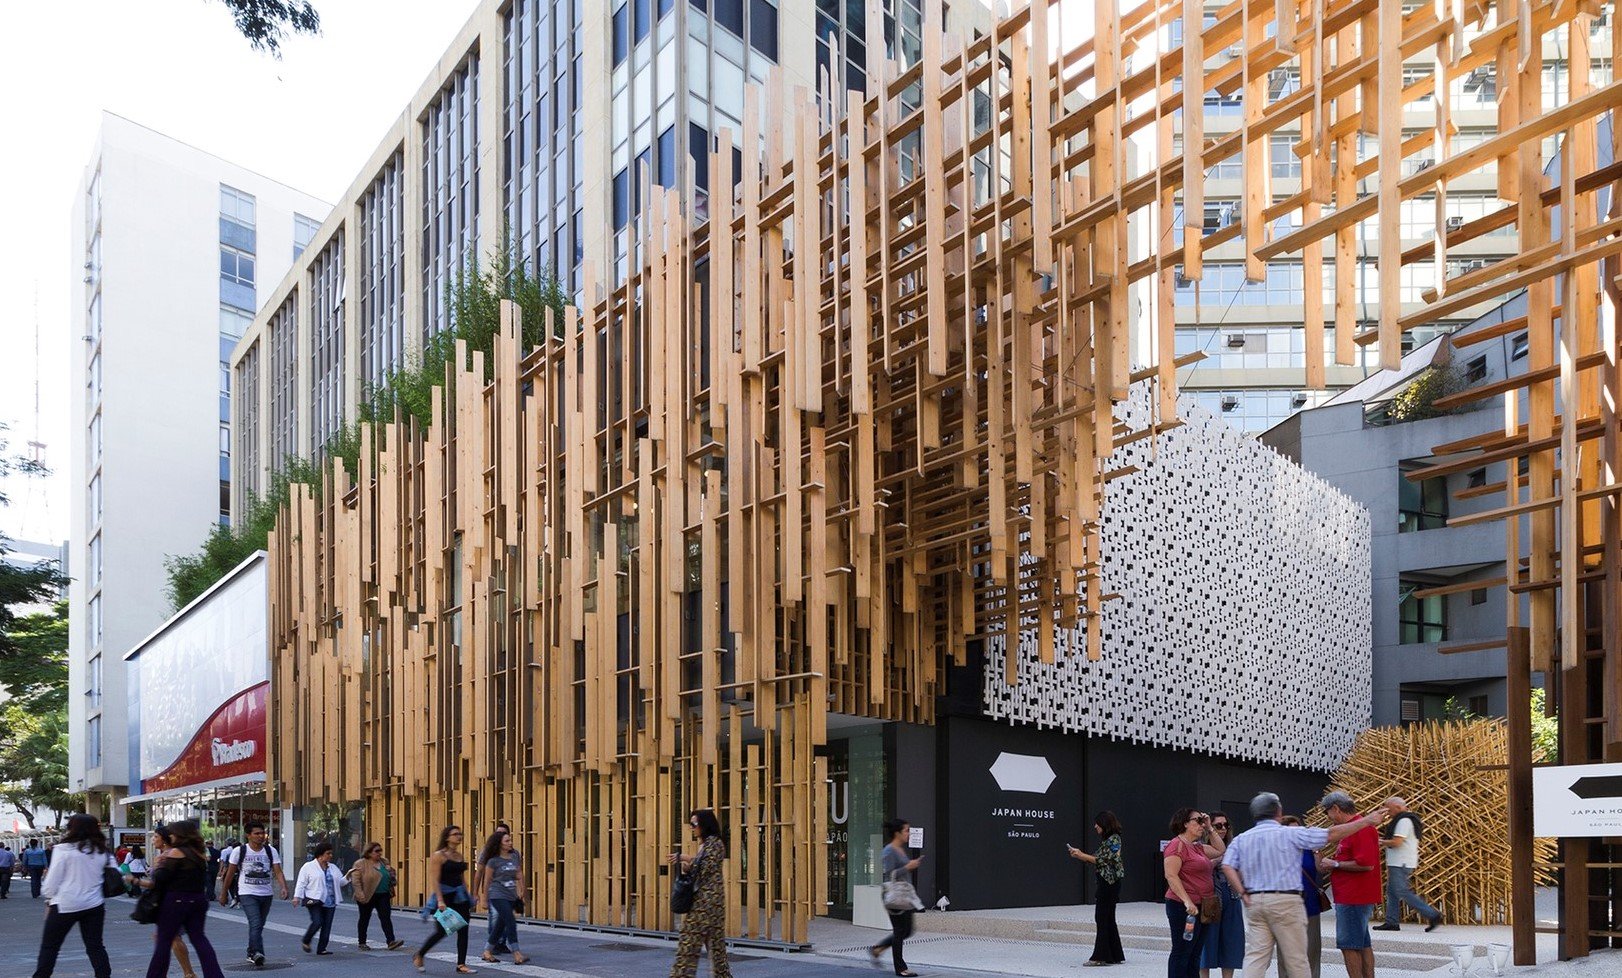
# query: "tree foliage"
34,762
1417,401
266,23
474,300
1545,730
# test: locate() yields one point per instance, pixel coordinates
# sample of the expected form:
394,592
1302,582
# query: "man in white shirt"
1401,859
259,863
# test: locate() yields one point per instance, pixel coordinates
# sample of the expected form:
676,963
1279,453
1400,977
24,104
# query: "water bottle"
1188,927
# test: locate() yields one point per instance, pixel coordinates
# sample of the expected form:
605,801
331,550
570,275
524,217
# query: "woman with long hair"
181,873
501,889
1187,865
132,880
373,881
704,925
447,868
898,865
1225,939
1110,871
72,892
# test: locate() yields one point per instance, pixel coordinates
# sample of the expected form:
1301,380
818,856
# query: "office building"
1254,372
171,246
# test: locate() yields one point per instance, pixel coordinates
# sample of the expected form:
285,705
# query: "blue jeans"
257,910
1398,890
1185,955
320,922
503,926
1352,926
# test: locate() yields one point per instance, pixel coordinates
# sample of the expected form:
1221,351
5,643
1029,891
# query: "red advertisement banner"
230,743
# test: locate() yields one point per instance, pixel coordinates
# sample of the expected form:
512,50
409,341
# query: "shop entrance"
856,811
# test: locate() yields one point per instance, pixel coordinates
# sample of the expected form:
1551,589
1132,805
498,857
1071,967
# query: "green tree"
34,761
474,300
265,23
1545,730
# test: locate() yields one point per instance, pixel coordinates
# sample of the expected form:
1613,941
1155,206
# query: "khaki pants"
1276,918
1315,949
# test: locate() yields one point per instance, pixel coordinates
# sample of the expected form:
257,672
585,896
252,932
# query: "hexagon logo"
1023,772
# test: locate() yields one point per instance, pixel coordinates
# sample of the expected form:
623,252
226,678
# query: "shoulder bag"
684,889
1324,902
112,881
900,895
147,906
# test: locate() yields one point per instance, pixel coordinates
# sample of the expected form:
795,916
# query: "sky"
309,120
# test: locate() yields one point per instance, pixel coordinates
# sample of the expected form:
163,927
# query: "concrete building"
528,135
1254,371
27,554
1360,443
170,244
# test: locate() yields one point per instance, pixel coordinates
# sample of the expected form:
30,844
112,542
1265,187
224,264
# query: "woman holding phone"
898,867
1107,865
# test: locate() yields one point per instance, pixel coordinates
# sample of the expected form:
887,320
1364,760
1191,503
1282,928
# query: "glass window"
1421,619
304,229
234,322
1476,370
667,158
698,147
94,561
92,746
622,199
95,441
235,205
1519,346
729,14
763,28
93,382
1421,505
93,499
93,621
642,20
93,682
236,266
622,33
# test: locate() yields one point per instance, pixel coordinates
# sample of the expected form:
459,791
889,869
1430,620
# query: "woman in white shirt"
72,890
319,888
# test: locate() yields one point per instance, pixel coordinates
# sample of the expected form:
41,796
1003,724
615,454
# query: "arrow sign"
1590,788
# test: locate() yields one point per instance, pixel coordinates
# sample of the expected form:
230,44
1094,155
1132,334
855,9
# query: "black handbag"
683,891
147,907
112,882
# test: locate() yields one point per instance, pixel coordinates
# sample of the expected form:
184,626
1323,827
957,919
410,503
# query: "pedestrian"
448,868
1401,841
372,879
478,874
132,885
179,876
250,870
1264,867
123,853
73,896
213,872
1110,871
1314,900
34,860
319,889
136,867
1224,937
501,890
1187,863
8,864
231,889
1354,877
705,924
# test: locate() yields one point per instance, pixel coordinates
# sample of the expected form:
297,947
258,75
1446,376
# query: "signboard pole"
1522,917
1574,942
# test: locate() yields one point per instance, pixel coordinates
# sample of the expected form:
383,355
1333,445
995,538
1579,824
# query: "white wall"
160,356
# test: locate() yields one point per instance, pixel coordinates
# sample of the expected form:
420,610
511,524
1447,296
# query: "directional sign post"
1577,800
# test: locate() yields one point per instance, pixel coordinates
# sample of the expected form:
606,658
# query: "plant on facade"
474,300
1418,400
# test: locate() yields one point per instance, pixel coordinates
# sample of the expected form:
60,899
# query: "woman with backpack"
73,890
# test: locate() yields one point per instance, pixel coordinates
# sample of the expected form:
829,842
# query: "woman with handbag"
180,876
1224,936
1187,864
897,866
501,889
147,912
1111,871
448,868
75,888
705,924
372,879
319,890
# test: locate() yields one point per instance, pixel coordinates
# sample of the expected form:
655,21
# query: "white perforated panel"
1242,629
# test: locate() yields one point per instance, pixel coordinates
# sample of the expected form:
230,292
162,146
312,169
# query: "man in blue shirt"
34,861
8,862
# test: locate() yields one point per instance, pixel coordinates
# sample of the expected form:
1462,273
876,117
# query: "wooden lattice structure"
1454,774
793,466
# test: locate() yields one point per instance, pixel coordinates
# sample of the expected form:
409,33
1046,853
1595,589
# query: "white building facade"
170,245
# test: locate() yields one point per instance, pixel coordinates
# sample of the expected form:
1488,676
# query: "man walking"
1354,875
8,863
1263,867
254,865
34,860
1401,842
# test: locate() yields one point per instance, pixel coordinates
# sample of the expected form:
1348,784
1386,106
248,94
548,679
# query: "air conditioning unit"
1234,50
1181,281
1424,165
1229,402
1298,399
1454,223
1236,341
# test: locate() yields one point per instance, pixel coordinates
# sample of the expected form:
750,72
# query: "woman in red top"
1188,876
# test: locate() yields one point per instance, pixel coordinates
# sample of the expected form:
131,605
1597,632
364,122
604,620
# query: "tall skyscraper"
170,245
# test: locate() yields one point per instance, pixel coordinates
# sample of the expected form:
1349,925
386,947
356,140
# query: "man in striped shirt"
1263,867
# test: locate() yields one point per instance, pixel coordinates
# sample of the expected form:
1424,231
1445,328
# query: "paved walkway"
1046,942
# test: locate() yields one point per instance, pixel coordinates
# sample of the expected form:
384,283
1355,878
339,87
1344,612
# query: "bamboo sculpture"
809,448
1453,774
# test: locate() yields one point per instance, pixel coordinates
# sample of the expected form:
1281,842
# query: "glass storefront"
856,813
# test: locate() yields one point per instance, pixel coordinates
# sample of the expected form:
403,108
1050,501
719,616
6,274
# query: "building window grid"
304,230
382,275
93,501
1421,619
1421,505
540,179
326,344
450,200
245,473
1257,409
283,374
